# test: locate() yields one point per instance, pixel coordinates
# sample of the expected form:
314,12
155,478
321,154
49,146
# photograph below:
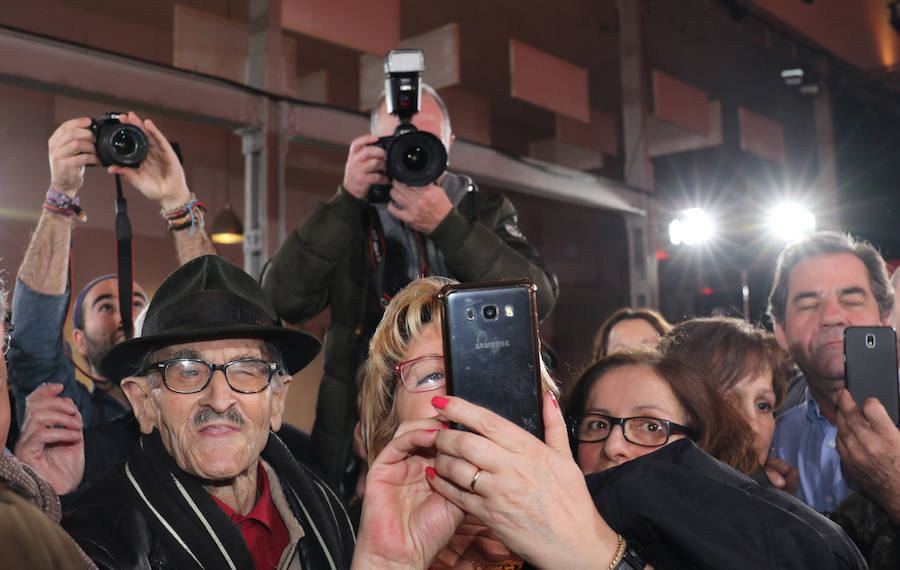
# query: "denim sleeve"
37,354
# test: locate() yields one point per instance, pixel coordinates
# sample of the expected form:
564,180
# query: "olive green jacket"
323,263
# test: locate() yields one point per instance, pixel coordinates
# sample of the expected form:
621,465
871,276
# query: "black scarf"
197,533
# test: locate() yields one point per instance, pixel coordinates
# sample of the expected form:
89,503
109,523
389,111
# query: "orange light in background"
878,16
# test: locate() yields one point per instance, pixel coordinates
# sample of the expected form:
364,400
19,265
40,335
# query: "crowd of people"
709,444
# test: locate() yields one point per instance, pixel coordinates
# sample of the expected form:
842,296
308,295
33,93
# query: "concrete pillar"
265,56
264,148
255,250
638,169
828,216
643,274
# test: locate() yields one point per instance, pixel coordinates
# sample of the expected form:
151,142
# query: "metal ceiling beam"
75,70
67,68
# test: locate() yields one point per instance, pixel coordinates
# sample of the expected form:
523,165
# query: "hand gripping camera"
118,143
414,157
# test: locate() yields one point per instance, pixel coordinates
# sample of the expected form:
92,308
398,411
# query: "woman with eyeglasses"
646,390
457,499
647,430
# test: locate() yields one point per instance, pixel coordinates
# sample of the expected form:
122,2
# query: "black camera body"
118,143
413,157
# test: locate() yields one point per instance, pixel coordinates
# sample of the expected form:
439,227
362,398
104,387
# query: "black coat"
688,510
149,514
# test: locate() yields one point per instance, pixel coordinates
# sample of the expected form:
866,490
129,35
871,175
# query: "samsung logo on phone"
491,344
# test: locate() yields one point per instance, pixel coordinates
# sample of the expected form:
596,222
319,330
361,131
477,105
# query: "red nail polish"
430,472
439,402
553,397
445,426
431,430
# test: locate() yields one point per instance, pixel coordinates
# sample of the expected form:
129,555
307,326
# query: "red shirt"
262,528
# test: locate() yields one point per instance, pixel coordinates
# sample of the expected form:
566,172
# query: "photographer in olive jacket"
354,255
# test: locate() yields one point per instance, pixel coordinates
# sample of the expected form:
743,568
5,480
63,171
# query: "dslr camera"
118,143
414,157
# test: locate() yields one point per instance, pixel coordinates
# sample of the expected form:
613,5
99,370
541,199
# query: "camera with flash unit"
413,157
118,143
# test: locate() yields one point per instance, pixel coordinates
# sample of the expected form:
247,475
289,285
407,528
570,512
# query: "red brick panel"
761,136
371,26
548,81
680,103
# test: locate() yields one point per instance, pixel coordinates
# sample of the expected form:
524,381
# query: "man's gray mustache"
207,415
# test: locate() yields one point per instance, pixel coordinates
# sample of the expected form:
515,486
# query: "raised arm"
160,178
45,266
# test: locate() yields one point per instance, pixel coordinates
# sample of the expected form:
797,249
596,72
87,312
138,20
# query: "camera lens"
120,144
123,144
490,312
415,158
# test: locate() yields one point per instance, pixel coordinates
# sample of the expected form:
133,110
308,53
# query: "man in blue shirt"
823,284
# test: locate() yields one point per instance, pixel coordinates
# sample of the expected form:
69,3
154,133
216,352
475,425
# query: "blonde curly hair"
416,306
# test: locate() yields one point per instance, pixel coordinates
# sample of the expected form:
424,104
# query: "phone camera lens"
490,312
470,313
870,340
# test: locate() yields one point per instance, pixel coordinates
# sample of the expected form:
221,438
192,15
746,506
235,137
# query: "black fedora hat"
209,298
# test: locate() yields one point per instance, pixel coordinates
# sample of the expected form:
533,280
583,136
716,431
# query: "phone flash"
508,310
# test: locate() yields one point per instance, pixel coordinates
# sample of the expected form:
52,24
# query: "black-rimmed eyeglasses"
192,375
640,430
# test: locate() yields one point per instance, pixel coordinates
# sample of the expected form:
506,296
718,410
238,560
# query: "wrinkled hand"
160,176
51,441
782,475
70,148
404,522
365,166
422,208
531,494
869,445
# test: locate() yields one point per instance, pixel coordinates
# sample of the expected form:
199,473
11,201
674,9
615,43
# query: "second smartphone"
870,366
492,351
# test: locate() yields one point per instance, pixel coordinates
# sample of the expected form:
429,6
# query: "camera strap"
124,261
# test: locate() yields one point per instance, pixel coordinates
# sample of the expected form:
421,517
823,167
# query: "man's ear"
781,337
78,337
279,397
137,390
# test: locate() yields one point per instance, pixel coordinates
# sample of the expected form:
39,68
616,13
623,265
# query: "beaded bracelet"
59,203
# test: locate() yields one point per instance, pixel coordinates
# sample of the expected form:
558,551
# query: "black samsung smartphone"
870,361
492,351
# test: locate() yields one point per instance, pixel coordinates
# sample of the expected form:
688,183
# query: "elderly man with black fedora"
210,485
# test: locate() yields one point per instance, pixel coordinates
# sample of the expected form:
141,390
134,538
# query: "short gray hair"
829,243
375,115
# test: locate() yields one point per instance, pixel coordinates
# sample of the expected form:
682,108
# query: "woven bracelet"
59,203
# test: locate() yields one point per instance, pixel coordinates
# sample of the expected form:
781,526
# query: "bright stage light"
692,228
791,221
